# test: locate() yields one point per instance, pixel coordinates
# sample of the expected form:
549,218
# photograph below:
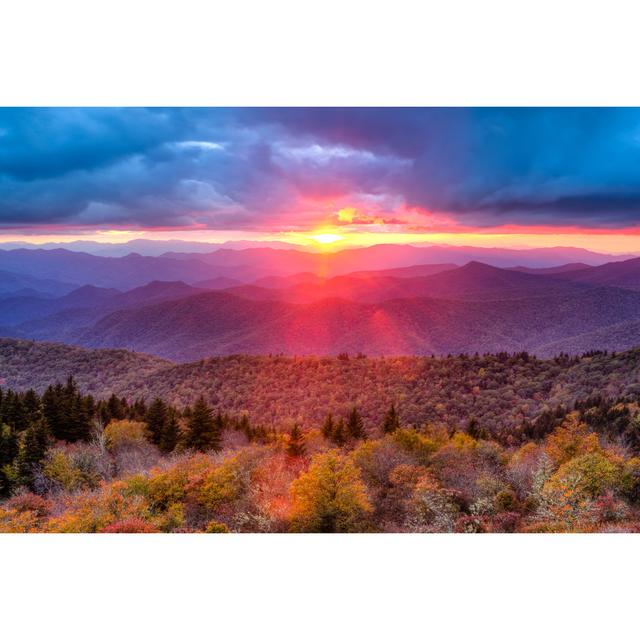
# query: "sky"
323,177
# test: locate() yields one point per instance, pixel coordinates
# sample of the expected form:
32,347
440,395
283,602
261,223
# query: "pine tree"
32,452
8,453
355,425
296,447
339,436
157,419
53,410
170,434
391,420
202,433
328,427
78,424
115,408
475,430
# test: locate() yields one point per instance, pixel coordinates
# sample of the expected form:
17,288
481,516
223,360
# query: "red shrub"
30,502
470,524
505,522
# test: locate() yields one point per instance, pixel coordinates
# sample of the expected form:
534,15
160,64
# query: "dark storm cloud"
252,168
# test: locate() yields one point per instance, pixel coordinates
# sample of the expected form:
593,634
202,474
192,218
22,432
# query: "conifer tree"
78,425
475,430
391,420
157,419
296,447
202,434
339,436
170,434
8,453
115,408
32,452
355,425
328,427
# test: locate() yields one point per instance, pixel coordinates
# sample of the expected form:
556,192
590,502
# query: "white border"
335,52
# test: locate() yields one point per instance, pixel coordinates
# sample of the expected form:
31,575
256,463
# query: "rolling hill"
474,281
219,323
499,390
625,274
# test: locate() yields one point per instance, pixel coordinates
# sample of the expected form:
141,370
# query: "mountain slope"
218,323
499,390
475,281
25,364
59,319
625,274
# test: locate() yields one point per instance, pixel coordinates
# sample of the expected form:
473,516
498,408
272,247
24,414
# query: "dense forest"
504,392
76,462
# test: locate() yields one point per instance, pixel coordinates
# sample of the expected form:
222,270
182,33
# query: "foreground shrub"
130,525
123,433
330,497
432,509
592,474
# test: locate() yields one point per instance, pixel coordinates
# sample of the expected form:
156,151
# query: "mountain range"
420,308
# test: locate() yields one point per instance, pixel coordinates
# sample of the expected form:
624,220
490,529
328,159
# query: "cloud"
262,169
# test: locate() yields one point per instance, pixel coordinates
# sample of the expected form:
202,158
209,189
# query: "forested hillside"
502,391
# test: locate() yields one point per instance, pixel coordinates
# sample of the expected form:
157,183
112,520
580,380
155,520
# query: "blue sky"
292,170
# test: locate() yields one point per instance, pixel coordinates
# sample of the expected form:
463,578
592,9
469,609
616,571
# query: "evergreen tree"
115,408
202,433
296,447
170,434
157,420
475,430
32,452
391,420
339,436
328,427
8,453
32,405
355,425
78,424
53,410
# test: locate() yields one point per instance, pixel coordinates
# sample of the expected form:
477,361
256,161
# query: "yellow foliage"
59,468
592,474
92,512
120,433
572,438
417,444
330,497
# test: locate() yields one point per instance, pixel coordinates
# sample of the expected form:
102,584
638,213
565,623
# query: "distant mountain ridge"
435,308
249,264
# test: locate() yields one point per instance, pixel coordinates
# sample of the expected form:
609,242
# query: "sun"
327,238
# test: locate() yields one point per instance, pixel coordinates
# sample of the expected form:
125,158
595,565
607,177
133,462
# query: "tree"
171,434
156,421
330,497
8,453
339,436
328,427
67,413
296,447
202,433
475,430
391,420
355,425
32,452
